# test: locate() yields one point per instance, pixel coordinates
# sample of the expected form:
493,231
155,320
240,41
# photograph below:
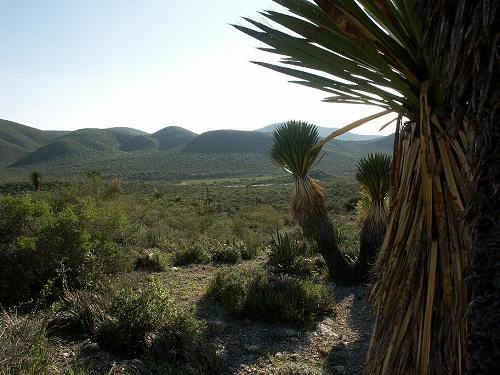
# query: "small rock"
66,354
174,268
340,370
252,348
294,357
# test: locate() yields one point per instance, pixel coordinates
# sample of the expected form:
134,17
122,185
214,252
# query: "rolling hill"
230,142
323,132
173,153
17,140
172,136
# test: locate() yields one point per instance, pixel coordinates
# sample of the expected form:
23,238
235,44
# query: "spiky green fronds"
358,51
294,147
373,172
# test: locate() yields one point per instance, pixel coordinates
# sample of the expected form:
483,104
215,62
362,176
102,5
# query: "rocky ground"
335,345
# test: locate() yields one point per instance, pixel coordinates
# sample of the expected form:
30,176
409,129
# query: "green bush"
150,261
132,315
276,297
249,252
288,255
146,322
228,253
194,252
24,348
74,246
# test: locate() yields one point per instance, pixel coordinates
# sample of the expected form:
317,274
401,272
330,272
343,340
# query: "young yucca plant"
373,173
296,148
36,179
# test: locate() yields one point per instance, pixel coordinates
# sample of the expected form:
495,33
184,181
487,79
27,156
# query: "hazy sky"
147,64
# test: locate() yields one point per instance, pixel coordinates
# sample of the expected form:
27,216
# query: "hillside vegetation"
172,153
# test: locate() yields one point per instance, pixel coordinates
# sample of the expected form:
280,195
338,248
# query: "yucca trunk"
308,204
419,293
371,237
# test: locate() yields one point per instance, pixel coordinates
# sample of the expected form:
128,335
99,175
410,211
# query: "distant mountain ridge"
170,153
323,132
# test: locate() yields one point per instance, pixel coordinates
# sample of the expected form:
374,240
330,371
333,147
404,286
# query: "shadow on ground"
242,343
348,355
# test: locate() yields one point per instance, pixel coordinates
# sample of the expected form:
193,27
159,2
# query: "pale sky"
147,64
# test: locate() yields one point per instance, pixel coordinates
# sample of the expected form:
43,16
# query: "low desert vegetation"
24,346
263,295
94,256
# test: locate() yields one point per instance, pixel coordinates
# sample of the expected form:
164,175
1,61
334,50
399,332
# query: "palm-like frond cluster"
373,173
294,147
361,52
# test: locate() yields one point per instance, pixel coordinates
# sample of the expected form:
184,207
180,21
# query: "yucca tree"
373,172
295,148
372,52
36,179
467,44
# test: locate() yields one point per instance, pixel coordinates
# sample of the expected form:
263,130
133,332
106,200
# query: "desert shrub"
24,347
150,260
146,322
132,315
348,239
254,244
74,246
78,312
226,252
257,294
288,255
249,252
191,252
180,347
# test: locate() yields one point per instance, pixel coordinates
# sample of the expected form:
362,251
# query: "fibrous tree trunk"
370,240
419,293
467,44
308,204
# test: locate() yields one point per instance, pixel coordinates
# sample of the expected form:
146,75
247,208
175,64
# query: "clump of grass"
24,347
287,255
276,297
180,347
78,312
150,261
